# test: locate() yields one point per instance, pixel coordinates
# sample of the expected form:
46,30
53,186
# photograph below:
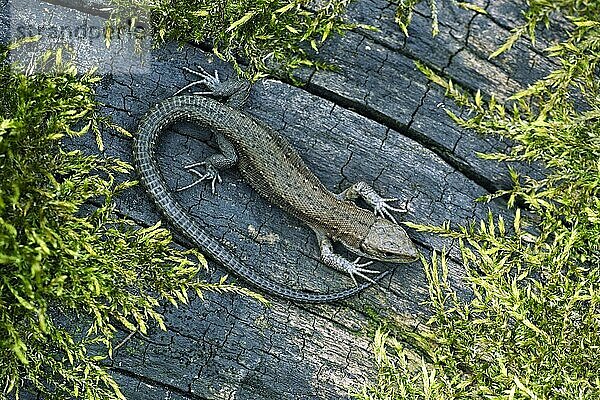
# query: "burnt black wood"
376,119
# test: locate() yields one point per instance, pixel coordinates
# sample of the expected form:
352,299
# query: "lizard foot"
354,268
337,262
382,208
211,174
212,82
370,196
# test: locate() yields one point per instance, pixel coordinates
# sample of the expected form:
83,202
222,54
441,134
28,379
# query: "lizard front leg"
339,263
227,158
369,195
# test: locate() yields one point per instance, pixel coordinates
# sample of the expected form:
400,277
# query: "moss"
271,37
531,330
64,263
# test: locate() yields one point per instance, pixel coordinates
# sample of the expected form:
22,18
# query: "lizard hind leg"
225,159
234,90
339,263
371,197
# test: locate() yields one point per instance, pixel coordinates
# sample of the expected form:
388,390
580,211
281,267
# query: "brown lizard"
275,170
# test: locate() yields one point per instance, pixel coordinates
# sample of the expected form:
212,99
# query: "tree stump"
376,118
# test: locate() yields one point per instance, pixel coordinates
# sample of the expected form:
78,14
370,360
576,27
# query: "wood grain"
376,119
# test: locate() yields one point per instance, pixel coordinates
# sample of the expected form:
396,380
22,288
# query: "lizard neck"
346,223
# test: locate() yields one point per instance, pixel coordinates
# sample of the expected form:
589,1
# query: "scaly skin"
274,169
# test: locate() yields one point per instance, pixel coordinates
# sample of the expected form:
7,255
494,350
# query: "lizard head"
387,241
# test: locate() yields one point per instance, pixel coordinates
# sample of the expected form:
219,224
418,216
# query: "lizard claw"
202,73
369,195
382,208
354,268
211,173
212,82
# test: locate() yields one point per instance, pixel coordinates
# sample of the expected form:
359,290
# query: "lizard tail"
174,110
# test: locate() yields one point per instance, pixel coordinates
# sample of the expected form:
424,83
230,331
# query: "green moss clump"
62,260
270,36
404,13
532,328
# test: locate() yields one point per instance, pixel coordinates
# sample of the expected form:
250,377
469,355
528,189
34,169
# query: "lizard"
272,167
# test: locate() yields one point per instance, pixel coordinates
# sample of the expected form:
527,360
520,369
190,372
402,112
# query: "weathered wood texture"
376,119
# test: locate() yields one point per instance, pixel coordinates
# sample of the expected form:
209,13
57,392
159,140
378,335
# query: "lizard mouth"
409,254
393,257
384,256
